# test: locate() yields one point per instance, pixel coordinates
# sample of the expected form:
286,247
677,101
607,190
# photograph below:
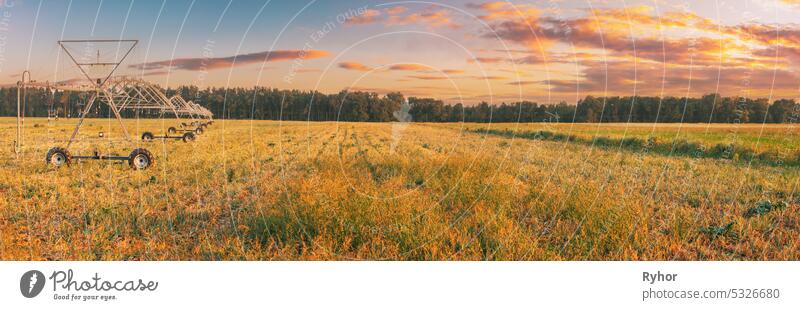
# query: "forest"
274,104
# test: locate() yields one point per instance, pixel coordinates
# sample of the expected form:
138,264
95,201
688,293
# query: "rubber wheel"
147,136
58,157
172,130
141,159
188,137
199,130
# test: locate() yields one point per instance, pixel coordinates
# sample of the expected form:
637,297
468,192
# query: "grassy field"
265,190
756,136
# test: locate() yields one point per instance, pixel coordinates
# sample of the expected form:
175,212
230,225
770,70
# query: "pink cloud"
199,63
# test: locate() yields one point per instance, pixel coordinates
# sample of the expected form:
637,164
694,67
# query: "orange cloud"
502,11
487,77
602,34
354,66
408,67
440,18
489,6
453,71
530,59
636,50
523,83
396,17
396,10
428,77
487,60
369,16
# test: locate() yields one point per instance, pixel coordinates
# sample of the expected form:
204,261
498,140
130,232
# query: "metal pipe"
83,116
20,111
19,125
101,157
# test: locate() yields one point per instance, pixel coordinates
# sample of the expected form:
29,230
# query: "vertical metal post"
21,111
17,142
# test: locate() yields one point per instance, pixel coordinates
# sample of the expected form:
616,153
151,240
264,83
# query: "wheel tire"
172,130
199,130
58,157
147,136
141,159
188,137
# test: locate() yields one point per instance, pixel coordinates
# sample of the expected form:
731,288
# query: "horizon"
176,88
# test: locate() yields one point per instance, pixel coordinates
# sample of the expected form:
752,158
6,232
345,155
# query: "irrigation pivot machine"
97,60
142,96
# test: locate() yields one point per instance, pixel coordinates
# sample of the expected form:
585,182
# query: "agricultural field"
763,136
269,190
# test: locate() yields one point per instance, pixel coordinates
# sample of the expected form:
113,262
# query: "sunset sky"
458,51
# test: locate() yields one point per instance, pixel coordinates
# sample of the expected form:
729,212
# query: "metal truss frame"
118,94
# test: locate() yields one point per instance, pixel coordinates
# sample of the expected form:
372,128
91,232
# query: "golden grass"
337,191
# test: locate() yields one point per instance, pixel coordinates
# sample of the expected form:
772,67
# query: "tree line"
356,106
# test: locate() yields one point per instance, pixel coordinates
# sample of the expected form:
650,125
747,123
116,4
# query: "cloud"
453,71
396,10
142,74
523,83
486,77
428,77
409,67
152,73
354,66
369,16
447,75
530,59
487,60
634,33
489,6
502,10
638,50
432,19
462,77
398,16
199,64
623,79
349,65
